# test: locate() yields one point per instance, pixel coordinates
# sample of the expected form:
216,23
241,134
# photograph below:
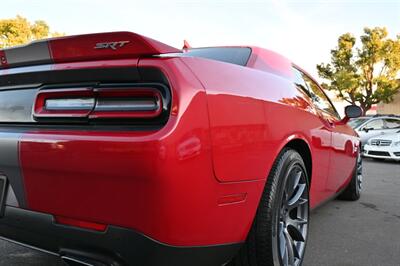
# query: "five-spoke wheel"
278,235
293,218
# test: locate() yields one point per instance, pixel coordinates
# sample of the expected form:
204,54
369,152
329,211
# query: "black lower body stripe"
10,165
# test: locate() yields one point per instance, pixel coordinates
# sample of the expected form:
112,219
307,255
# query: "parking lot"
360,233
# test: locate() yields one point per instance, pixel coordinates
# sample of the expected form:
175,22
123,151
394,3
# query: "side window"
392,123
374,124
300,82
233,55
319,98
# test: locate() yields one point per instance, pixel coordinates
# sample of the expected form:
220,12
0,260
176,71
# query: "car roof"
368,118
262,59
381,116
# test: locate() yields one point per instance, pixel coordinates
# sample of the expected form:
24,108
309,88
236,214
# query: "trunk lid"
78,48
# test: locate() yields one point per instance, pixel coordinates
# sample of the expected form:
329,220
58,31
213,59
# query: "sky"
304,31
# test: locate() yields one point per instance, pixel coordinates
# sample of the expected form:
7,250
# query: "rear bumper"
116,246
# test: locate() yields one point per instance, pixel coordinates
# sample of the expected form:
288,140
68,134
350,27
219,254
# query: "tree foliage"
367,74
19,30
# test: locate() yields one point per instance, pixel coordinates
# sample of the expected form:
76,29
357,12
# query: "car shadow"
378,161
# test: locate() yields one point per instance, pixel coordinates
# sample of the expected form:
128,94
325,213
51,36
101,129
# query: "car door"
371,129
321,141
341,149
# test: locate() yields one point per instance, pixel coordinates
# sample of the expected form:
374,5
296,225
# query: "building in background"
390,108
373,110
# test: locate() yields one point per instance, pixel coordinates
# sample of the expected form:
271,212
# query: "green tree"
367,74
19,30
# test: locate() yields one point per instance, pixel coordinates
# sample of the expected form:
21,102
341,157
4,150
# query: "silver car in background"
373,126
384,147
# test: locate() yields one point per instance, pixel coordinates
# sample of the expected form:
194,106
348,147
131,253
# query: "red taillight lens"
61,103
126,103
99,103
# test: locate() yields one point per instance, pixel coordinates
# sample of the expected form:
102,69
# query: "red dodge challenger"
116,149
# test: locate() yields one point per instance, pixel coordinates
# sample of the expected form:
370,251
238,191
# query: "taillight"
78,103
127,103
100,103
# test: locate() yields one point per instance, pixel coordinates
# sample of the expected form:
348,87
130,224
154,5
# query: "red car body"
183,188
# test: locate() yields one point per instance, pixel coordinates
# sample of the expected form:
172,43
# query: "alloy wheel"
293,218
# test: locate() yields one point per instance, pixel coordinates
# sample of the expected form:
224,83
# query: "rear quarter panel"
253,115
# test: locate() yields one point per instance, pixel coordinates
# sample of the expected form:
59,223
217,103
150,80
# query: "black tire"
353,190
271,235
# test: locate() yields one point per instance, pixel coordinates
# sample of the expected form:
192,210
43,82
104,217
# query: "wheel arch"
301,146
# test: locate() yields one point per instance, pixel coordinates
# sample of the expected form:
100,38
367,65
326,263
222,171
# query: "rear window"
233,55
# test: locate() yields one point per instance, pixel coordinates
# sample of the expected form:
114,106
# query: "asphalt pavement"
362,233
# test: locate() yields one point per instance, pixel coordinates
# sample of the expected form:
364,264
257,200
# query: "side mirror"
352,111
366,129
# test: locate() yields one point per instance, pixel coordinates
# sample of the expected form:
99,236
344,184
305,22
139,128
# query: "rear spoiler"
99,46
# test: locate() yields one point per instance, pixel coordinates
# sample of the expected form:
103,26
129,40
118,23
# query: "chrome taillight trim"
56,104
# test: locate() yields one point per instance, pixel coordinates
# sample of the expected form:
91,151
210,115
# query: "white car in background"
384,147
373,126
